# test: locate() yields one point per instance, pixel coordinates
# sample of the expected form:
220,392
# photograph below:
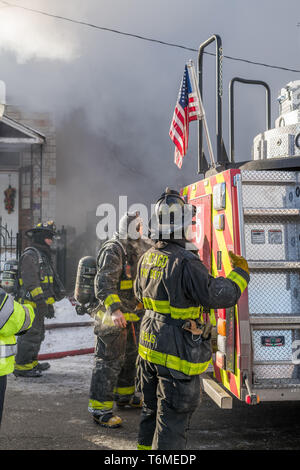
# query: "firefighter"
38,285
174,345
15,319
117,323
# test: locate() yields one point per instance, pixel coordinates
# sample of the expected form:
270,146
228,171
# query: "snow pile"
67,339
65,312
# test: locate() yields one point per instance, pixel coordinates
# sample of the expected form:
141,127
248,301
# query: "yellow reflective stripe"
33,304
3,302
131,317
111,299
28,366
212,317
163,306
36,291
183,313
128,317
124,390
173,362
50,300
48,279
160,306
126,284
238,279
100,405
140,447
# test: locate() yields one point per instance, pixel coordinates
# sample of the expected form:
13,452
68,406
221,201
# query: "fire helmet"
172,216
42,230
129,226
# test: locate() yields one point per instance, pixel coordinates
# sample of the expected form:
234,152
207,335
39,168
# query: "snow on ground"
69,375
67,339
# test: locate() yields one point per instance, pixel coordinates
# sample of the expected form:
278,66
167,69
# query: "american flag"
187,109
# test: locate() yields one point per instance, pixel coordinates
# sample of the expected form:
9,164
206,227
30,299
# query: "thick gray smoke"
113,97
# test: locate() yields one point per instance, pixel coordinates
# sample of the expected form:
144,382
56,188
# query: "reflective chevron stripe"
6,310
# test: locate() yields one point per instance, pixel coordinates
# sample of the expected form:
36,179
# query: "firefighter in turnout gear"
38,286
117,322
174,346
15,319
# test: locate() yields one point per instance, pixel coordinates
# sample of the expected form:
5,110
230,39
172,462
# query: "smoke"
30,38
113,97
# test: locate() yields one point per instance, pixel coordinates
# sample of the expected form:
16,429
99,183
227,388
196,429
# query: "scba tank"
9,275
84,287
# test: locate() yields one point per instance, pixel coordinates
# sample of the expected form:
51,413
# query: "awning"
15,136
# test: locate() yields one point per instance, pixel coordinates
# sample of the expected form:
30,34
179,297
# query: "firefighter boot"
41,366
32,373
107,419
133,402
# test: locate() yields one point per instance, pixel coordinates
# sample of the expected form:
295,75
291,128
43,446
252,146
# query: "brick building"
28,165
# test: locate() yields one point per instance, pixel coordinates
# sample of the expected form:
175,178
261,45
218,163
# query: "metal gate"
10,245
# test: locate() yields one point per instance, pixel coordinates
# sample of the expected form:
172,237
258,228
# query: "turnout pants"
113,376
29,344
169,400
3,381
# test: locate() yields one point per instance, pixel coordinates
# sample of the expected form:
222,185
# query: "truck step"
215,391
270,212
266,265
285,322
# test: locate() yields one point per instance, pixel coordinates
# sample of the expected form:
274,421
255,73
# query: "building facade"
27,174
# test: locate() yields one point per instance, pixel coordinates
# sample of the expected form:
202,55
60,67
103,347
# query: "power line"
144,38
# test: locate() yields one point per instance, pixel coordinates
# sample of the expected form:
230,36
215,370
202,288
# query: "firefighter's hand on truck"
118,319
238,262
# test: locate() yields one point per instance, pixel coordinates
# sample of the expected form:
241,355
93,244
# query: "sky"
113,96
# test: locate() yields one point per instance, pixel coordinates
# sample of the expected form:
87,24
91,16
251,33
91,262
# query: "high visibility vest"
14,319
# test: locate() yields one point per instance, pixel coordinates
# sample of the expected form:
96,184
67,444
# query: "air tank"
84,287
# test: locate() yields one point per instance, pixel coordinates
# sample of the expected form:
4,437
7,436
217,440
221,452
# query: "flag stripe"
187,109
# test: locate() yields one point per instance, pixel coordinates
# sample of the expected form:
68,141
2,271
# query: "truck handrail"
202,165
231,108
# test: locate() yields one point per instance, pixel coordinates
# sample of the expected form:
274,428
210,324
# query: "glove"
42,307
238,262
140,306
50,312
193,327
197,328
81,309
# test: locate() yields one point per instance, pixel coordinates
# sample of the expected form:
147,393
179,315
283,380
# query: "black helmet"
42,230
172,216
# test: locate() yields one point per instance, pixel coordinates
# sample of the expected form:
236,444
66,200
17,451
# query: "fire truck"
253,209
